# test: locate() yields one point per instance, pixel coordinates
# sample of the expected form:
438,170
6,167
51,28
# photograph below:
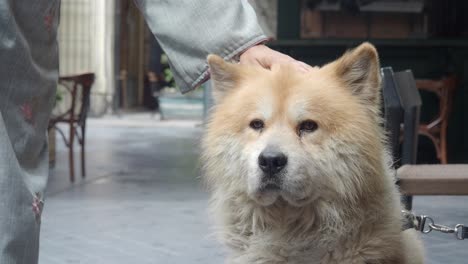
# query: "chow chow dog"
297,165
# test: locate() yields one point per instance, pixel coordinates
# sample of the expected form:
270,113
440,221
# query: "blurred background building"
87,44
111,39
428,37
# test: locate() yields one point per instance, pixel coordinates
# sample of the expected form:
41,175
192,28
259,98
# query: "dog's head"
280,134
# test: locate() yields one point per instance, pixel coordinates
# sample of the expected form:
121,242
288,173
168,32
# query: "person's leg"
28,76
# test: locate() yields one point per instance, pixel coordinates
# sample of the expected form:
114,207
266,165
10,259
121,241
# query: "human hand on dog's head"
263,56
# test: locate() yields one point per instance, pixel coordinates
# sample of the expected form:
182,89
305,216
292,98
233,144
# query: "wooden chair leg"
71,159
83,152
443,145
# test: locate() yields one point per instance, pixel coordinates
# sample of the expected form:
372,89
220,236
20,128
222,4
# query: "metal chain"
426,224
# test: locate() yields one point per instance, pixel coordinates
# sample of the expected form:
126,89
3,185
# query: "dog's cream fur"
338,202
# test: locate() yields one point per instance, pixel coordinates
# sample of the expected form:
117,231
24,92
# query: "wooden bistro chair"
401,106
436,130
78,90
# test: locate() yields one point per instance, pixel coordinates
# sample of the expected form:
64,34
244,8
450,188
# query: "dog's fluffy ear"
360,70
224,76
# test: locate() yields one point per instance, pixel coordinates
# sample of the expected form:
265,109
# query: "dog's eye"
257,124
307,126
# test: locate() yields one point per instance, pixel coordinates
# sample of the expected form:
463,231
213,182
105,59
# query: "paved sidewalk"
142,201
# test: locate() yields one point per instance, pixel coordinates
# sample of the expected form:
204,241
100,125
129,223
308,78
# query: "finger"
247,60
305,65
302,69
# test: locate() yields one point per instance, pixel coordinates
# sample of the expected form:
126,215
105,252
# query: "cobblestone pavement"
142,201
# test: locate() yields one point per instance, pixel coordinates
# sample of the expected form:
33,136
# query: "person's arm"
189,30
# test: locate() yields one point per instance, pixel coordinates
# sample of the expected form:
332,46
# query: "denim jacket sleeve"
189,30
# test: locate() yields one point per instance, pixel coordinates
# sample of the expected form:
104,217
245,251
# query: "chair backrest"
444,89
392,110
79,89
402,105
411,102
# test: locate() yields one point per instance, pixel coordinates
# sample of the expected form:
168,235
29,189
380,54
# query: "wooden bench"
433,179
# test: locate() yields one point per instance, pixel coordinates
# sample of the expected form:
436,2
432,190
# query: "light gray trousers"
28,75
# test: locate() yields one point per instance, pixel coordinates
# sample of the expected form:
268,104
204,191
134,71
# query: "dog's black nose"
272,162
